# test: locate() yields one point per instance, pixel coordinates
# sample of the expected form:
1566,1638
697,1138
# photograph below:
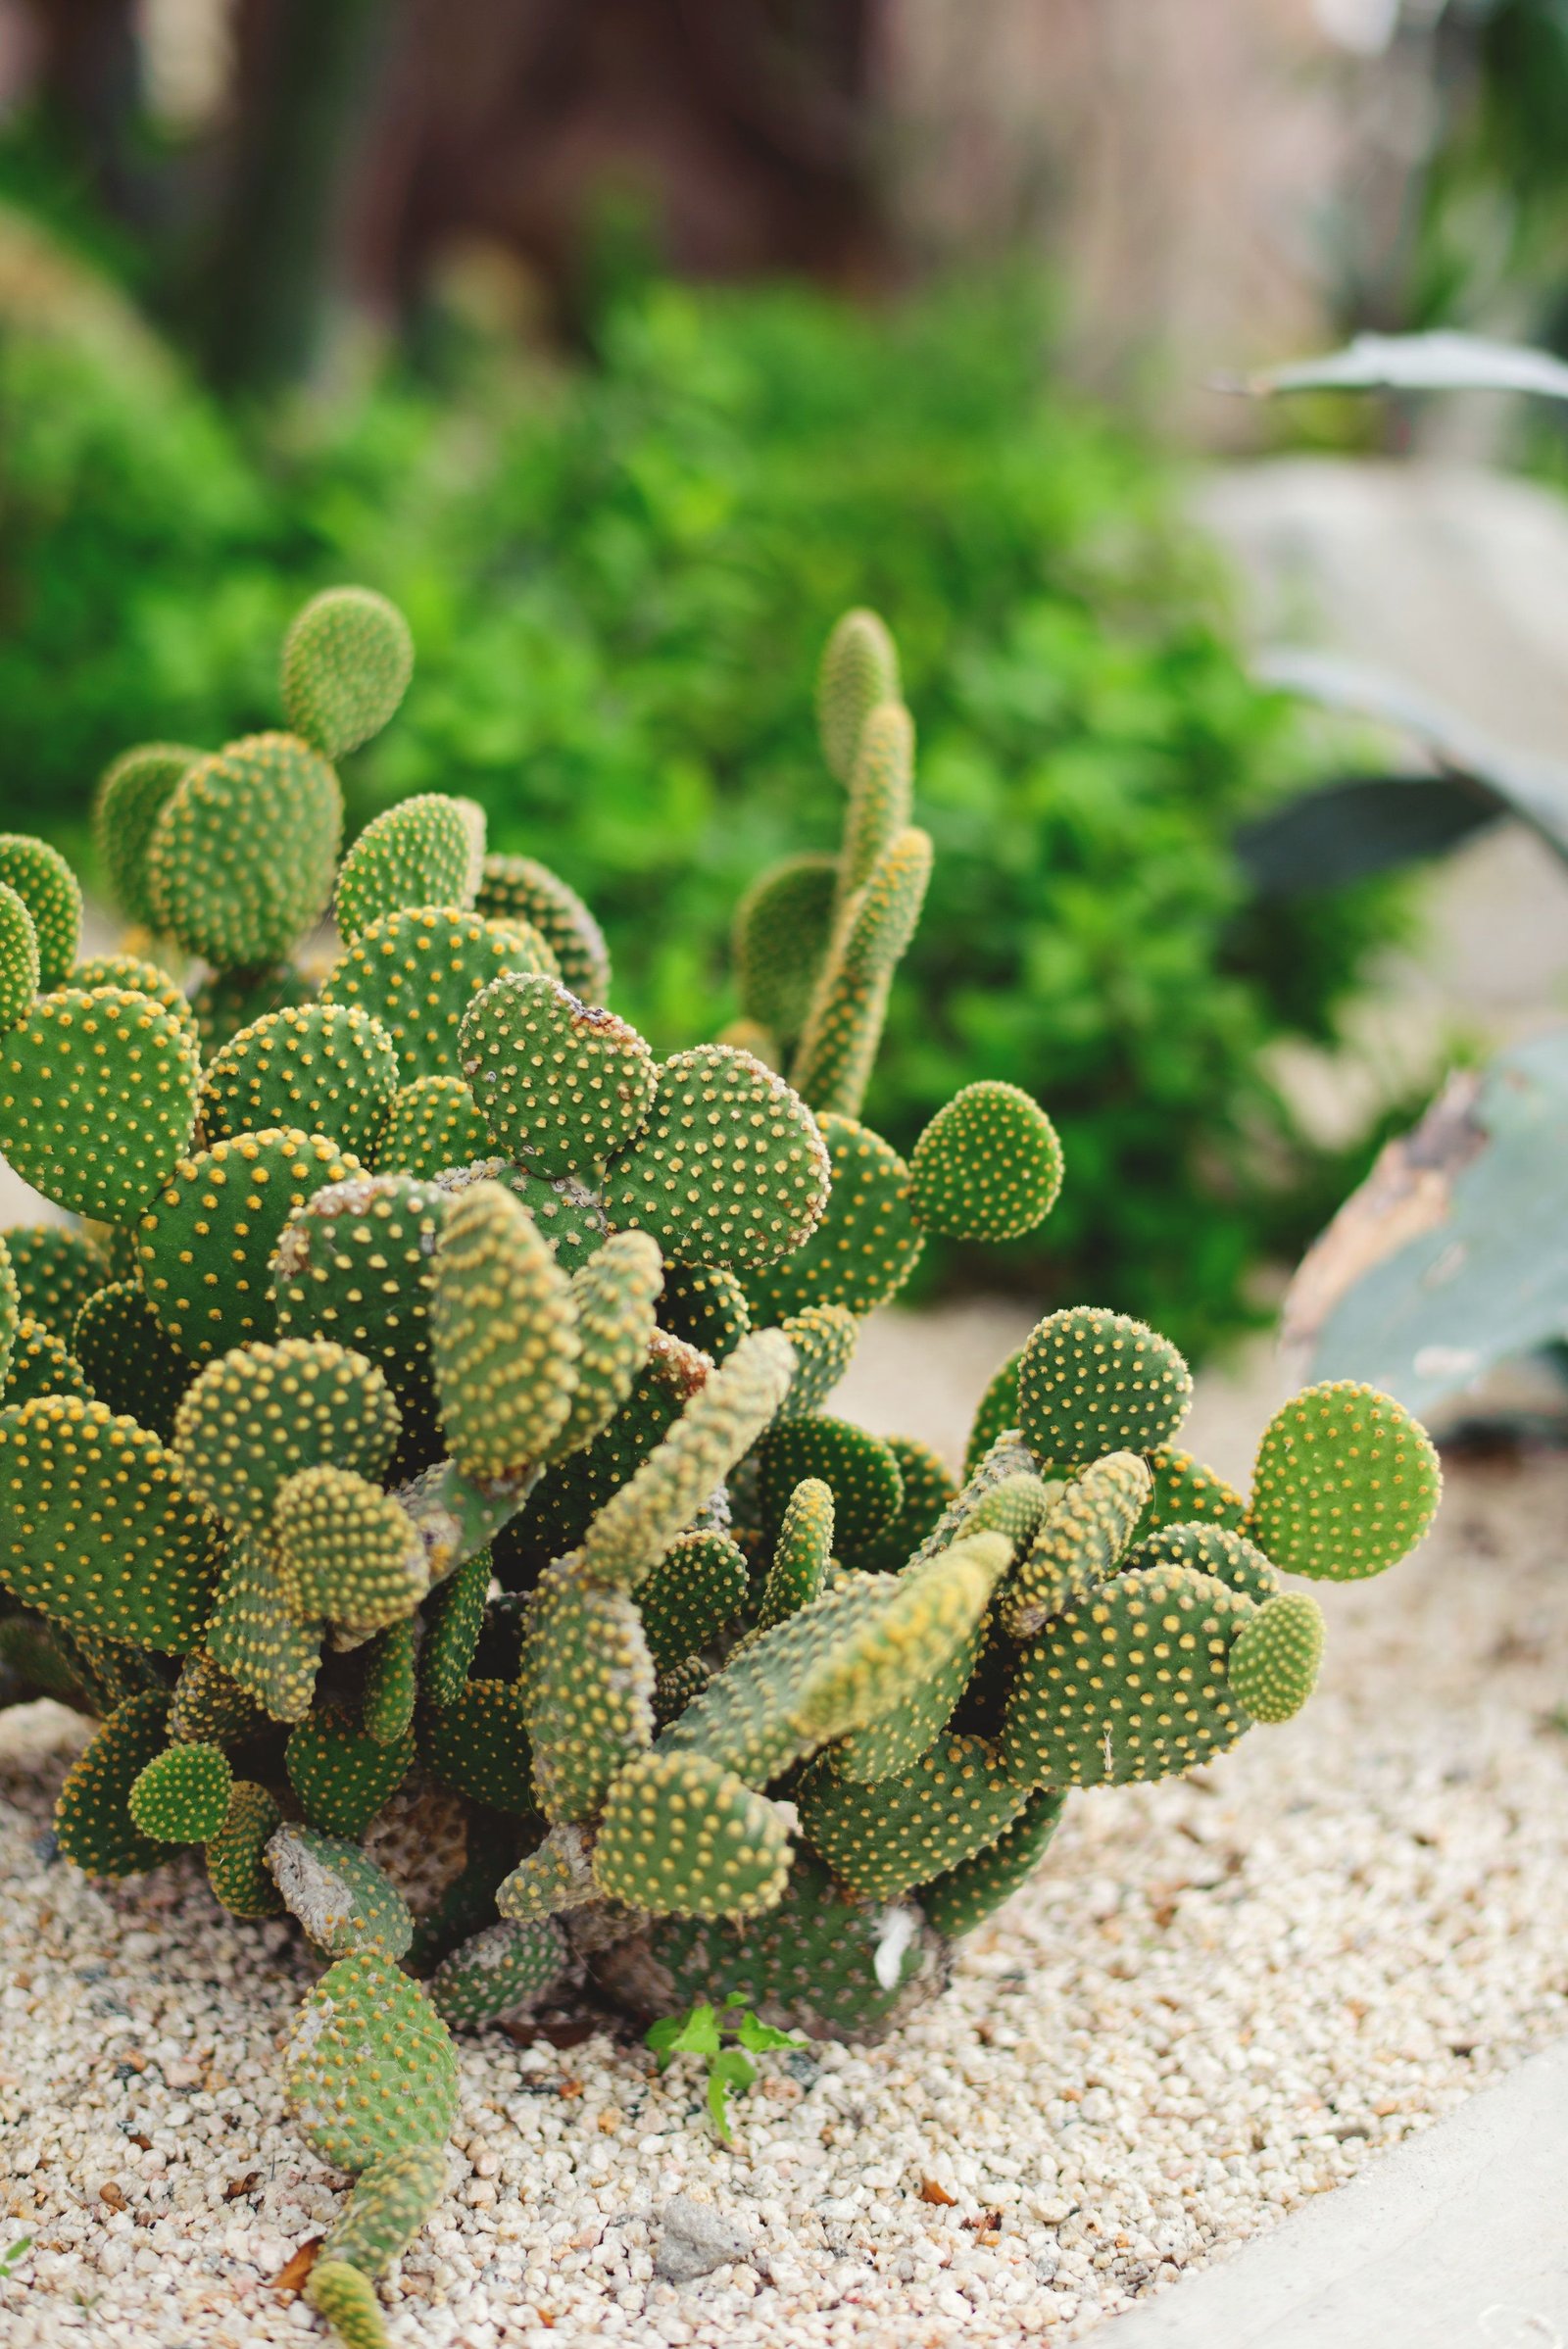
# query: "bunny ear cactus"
415,1442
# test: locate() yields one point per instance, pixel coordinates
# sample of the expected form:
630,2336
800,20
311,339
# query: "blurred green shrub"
619,579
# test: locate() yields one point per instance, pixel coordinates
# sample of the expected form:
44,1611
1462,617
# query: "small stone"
695,2238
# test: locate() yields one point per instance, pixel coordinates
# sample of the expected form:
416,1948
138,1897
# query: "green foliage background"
620,576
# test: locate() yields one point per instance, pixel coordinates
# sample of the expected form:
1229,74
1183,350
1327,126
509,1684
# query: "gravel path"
1222,1996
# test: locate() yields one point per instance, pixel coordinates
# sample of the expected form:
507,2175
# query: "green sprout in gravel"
724,2039
416,1453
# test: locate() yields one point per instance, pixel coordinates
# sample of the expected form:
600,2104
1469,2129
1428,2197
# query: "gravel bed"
1222,1996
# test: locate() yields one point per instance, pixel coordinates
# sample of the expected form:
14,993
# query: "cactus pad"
705,1306
801,1553
1345,1483
417,971
130,798
40,1365
695,1591
614,1298
988,1166
241,860
1185,1493
432,1124
341,1898
347,661
92,1817
323,1068
237,1866
369,2068
1080,1543
234,1197
1130,1685
258,1414
590,1688
182,1795
782,928
866,1245
501,1970
860,1469
97,1098
964,1896
56,1271
347,1553
516,888
1091,1382
859,668
424,851
1274,1658
252,1635
478,1745
19,958
685,1837
100,1529
341,1776
880,1840
721,1422
1212,1550
562,1086
730,1167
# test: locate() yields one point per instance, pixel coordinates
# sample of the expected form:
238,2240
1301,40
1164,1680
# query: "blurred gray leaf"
1441,361
1453,1253
1364,824
1518,782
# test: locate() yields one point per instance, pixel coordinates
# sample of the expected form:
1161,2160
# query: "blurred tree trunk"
308,78
89,93
740,129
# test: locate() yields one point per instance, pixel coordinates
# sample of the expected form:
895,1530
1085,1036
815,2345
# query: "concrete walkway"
1458,2237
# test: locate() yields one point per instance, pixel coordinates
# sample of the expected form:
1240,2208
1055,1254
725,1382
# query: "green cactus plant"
418,1449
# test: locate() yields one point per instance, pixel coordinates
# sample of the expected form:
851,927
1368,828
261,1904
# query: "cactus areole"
414,1452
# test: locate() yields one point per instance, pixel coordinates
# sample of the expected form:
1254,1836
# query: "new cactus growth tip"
413,1447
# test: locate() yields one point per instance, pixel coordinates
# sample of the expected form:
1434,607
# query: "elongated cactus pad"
721,1422
503,1335
1080,1543
801,1553
590,1685
859,668
49,889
